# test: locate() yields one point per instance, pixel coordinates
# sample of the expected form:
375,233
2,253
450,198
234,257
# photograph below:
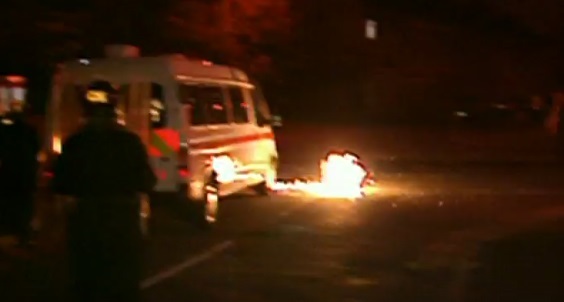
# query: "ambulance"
188,112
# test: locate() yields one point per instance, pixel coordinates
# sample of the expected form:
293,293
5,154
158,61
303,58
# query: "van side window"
196,113
157,110
240,107
212,99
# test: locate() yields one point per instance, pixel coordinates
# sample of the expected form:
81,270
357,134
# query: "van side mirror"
274,121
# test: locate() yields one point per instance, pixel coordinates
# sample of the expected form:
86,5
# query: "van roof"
157,69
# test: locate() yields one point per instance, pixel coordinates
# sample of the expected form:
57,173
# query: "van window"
261,107
157,110
240,107
196,113
216,110
207,104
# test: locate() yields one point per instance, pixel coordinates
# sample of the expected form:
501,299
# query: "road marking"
197,259
188,263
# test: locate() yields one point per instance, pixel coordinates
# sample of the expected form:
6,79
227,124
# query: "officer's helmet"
100,99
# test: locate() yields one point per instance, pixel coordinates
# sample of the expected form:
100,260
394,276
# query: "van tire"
208,207
261,189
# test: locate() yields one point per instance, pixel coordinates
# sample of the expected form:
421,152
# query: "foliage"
240,32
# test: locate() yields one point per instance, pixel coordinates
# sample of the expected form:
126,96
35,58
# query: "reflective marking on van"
158,145
170,136
164,142
220,142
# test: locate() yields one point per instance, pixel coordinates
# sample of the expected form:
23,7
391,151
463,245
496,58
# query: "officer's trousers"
105,249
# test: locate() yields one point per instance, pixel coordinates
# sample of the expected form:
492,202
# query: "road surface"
483,233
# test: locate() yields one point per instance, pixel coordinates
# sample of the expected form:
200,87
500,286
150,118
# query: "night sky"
542,16
502,45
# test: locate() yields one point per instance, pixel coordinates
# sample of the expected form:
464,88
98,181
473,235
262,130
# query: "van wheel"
208,208
261,189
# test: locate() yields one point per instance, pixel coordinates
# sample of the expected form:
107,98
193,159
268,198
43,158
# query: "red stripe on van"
232,141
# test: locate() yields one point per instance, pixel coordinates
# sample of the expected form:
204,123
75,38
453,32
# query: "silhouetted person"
104,168
19,147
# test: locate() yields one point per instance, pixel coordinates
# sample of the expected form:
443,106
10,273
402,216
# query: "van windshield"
206,104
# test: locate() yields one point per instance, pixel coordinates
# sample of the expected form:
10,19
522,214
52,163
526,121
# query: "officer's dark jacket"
103,160
19,146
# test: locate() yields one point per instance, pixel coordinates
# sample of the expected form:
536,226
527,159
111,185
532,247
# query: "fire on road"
341,175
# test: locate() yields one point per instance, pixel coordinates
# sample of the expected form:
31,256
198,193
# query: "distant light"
371,30
16,79
461,114
84,61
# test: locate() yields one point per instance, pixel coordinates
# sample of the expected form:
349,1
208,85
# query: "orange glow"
341,176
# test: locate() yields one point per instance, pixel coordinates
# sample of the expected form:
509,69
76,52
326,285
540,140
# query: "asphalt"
476,234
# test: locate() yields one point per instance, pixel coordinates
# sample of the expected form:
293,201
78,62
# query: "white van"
186,111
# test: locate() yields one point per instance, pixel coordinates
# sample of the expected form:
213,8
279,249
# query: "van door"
208,123
243,128
265,155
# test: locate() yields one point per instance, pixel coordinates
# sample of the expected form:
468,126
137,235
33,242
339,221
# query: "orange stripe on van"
232,141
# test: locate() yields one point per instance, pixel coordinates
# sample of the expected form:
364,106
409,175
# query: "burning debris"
342,175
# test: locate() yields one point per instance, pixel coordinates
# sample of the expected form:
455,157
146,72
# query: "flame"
341,176
225,168
57,144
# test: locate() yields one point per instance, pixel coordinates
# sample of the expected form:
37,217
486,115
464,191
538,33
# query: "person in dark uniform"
19,147
104,168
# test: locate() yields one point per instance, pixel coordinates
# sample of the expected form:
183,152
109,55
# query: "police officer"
103,168
19,147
